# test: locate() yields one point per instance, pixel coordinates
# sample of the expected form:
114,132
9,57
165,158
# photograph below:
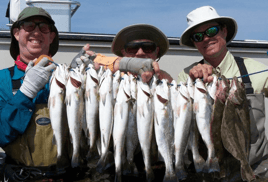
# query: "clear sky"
110,16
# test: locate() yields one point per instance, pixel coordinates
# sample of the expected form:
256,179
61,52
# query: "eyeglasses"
30,26
210,32
133,47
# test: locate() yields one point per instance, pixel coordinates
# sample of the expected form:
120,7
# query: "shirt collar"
17,73
225,64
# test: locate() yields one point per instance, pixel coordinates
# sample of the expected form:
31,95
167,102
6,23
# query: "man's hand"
84,56
143,66
202,71
36,77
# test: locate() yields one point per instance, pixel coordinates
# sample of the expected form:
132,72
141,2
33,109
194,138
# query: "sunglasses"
133,47
210,32
29,26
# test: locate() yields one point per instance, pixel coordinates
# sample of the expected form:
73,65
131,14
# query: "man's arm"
15,116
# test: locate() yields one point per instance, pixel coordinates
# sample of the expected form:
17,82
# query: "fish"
57,112
116,82
132,140
184,114
221,95
145,124
193,143
121,111
203,109
235,128
92,111
163,125
105,119
75,110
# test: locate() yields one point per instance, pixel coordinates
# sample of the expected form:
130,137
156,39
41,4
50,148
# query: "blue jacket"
16,111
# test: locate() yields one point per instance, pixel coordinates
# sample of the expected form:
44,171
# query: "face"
140,53
35,43
212,47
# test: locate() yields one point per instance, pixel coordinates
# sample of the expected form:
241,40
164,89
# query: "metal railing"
29,2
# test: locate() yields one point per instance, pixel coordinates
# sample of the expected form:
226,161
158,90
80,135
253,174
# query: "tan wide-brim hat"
203,15
140,31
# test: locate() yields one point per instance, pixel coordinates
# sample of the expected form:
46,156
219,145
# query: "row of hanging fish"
125,112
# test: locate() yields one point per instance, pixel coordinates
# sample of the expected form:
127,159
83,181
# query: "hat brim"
230,23
140,31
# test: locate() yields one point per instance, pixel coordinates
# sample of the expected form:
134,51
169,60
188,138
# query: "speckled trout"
105,119
75,109
203,109
145,124
92,111
132,140
182,129
57,112
121,111
163,125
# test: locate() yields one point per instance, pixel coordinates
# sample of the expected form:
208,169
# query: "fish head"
212,87
223,89
133,86
190,87
162,91
237,92
200,88
184,92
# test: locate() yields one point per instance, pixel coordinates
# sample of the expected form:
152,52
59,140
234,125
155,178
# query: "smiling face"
214,48
35,43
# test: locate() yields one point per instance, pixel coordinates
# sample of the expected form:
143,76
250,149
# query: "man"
25,132
210,34
135,41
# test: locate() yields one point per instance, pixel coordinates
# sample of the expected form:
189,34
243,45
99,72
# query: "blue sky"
110,16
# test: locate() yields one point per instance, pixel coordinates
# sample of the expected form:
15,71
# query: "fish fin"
54,140
103,98
140,110
181,173
87,95
106,161
75,161
150,175
170,177
155,119
213,165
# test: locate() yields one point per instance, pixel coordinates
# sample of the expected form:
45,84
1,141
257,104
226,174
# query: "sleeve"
15,116
108,62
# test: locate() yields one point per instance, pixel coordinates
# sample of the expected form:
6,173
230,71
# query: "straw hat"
27,13
203,15
140,31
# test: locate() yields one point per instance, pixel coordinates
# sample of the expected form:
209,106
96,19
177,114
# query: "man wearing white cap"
210,34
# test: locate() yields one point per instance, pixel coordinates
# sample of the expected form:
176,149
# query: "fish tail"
106,161
213,165
199,164
118,176
93,153
130,169
181,173
149,175
62,162
170,177
75,161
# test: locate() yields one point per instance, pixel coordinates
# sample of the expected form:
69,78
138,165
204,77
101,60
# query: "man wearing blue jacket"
25,132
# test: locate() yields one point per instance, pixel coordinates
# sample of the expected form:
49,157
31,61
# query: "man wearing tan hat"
210,34
141,45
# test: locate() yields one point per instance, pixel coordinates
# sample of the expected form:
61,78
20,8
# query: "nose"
37,30
140,52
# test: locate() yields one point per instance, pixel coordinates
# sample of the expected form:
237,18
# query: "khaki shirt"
229,69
